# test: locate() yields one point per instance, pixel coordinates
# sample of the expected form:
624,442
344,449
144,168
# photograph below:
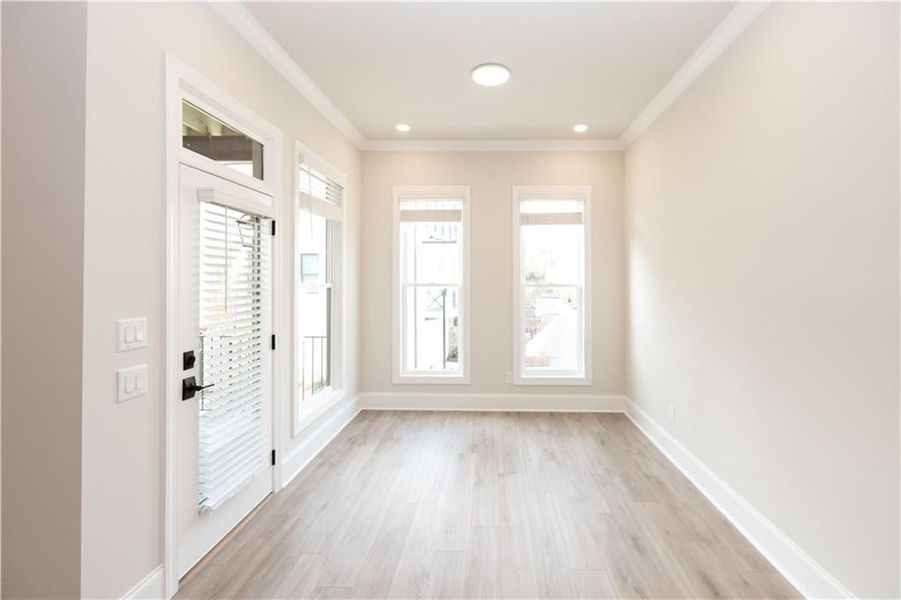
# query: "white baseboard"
317,436
149,588
798,567
535,402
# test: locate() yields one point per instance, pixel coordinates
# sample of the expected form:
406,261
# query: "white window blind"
551,212
234,272
319,194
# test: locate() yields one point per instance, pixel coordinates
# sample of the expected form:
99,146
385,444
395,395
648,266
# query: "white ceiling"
386,63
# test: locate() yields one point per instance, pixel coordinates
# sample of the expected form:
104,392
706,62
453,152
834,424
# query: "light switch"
132,333
132,382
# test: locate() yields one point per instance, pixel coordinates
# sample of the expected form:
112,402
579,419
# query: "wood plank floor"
489,505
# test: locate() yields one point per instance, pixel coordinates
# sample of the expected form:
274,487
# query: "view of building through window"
552,267
431,295
431,256
314,303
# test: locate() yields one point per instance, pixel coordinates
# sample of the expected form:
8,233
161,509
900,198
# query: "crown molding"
607,145
247,26
730,29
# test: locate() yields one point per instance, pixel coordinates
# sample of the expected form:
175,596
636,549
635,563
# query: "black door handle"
189,387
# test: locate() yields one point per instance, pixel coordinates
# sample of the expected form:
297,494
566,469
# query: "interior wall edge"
728,31
798,567
736,179
43,105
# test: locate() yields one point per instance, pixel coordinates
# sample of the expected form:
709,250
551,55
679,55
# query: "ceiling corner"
247,26
730,29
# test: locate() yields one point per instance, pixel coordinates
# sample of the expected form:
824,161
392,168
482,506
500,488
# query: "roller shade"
563,211
431,211
234,296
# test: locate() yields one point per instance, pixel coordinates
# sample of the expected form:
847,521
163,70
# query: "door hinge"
273,226
273,341
273,457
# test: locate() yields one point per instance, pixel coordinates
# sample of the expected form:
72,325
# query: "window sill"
430,379
575,380
318,405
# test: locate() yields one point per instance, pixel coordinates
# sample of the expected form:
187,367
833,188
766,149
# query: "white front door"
224,419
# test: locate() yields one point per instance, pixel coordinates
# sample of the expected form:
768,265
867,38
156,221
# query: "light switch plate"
131,382
132,333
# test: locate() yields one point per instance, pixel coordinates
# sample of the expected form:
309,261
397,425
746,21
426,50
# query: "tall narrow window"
552,284
431,279
318,280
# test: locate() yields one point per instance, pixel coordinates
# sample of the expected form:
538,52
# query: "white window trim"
520,193
420,192
323,401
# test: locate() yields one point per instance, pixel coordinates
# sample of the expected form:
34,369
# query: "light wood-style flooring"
489,505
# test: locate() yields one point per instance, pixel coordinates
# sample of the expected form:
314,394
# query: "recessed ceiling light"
580,128
491,74
402,127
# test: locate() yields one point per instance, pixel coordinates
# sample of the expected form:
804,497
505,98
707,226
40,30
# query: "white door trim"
184,82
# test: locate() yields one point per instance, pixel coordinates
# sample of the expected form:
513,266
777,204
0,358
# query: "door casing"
183,82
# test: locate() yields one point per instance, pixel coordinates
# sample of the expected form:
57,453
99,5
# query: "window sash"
406,284
407,254
438,205
538,372
327,283
322,356
404,309
561,205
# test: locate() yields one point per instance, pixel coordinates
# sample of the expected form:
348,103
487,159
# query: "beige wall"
43,209
124,254
491,176
763,278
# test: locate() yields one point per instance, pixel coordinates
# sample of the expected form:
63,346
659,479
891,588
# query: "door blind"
234,272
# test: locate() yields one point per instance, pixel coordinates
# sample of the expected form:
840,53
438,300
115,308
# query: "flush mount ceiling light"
580,127
402,127
491,74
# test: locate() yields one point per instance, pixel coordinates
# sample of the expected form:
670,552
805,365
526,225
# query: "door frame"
183,82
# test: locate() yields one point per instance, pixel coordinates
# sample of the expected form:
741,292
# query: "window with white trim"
318,262
431,277
552,287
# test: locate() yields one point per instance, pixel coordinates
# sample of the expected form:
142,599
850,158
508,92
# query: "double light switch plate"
132,333
132,382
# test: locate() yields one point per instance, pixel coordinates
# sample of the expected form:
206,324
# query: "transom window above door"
213,138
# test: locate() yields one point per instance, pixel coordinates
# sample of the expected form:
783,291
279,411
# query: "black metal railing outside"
314,374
